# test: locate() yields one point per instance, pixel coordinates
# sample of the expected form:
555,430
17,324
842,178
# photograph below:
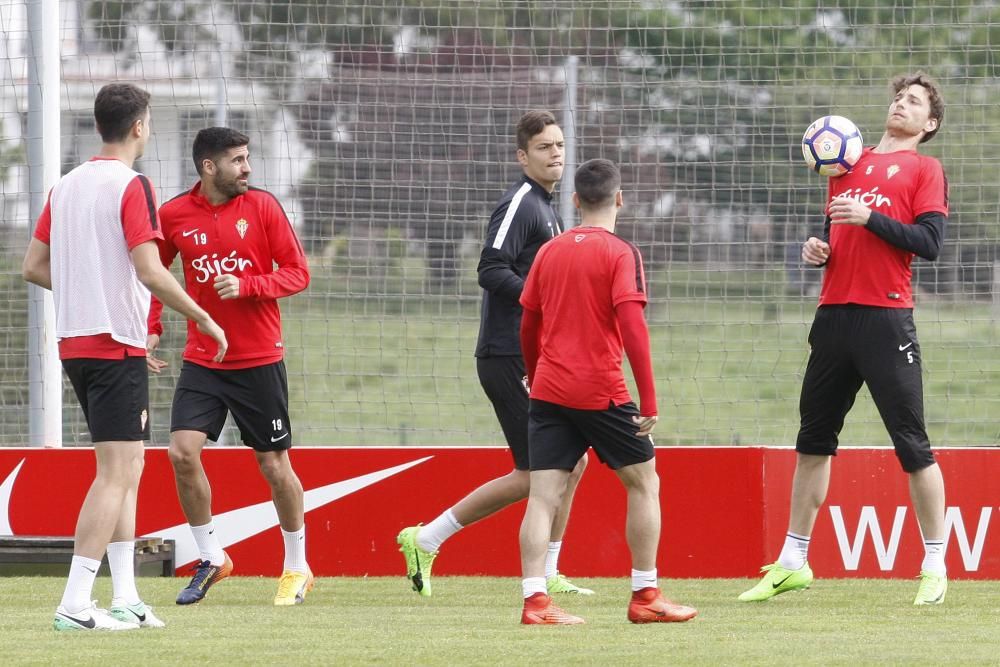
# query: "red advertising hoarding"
724,510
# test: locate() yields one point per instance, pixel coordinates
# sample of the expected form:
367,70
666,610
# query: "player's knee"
275,468
183,459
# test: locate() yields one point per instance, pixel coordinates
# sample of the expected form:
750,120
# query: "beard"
229,187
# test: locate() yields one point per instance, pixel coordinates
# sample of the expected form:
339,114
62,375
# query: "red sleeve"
140,220
43,228
292,274
629,279
167,253
931,192
635,337
531,331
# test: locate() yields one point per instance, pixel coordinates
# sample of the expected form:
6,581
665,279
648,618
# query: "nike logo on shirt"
903,347
189,232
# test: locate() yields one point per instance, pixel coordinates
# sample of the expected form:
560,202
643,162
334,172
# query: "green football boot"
558,583
778,580
932,588
418,561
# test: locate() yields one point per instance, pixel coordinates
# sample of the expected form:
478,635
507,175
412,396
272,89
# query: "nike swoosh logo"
88,569
5,490
139,617
903,347
189,232
245,522
273,439
781,582
90,623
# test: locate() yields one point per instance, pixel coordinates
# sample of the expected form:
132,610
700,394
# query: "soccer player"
230,236
95,247
891,206
522,221
583,305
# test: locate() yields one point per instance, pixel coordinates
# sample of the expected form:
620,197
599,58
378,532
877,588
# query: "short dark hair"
530,124
116,107
212,142
596,182
933,96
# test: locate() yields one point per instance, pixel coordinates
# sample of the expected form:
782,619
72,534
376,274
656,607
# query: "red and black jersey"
863,268
247,237
575,283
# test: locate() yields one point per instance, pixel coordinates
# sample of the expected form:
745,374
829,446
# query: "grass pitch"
474,620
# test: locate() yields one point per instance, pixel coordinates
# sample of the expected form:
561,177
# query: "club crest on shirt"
892,171
241,227
579,237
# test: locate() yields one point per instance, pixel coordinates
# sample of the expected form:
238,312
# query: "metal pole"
44,374
569,134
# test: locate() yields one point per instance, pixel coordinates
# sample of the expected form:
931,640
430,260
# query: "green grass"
475,621
727,373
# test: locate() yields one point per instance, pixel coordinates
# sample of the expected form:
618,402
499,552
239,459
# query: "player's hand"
152,363
228,286
815,251
524,383
848,211
645,424
214,331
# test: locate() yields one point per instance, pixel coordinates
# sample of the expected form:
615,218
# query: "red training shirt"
575,283
863,268
245,237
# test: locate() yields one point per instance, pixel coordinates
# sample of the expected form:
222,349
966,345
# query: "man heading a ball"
891,206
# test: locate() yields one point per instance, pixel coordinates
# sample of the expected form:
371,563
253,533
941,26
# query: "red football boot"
649,606
539,610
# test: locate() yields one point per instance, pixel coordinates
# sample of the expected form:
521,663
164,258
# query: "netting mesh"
386,129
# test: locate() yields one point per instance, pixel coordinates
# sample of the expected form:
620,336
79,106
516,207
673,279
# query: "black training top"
522,221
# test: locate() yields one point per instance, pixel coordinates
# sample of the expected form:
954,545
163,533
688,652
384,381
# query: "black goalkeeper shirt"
522,221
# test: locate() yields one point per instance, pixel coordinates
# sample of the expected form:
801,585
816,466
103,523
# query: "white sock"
532,585
432,536
295,549
643,579
552,559
934,557
795,552
80,584
121,560
208,543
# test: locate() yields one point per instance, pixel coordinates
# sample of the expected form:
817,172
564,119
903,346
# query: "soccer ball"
832,145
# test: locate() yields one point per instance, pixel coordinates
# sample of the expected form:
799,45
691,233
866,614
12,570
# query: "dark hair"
597,182
933,96
212,142
530,124
116,108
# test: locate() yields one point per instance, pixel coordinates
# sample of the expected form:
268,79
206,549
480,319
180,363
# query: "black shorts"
114,395
877,346
502,379
558,436
257,398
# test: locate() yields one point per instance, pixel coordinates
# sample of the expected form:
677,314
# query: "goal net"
386,130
